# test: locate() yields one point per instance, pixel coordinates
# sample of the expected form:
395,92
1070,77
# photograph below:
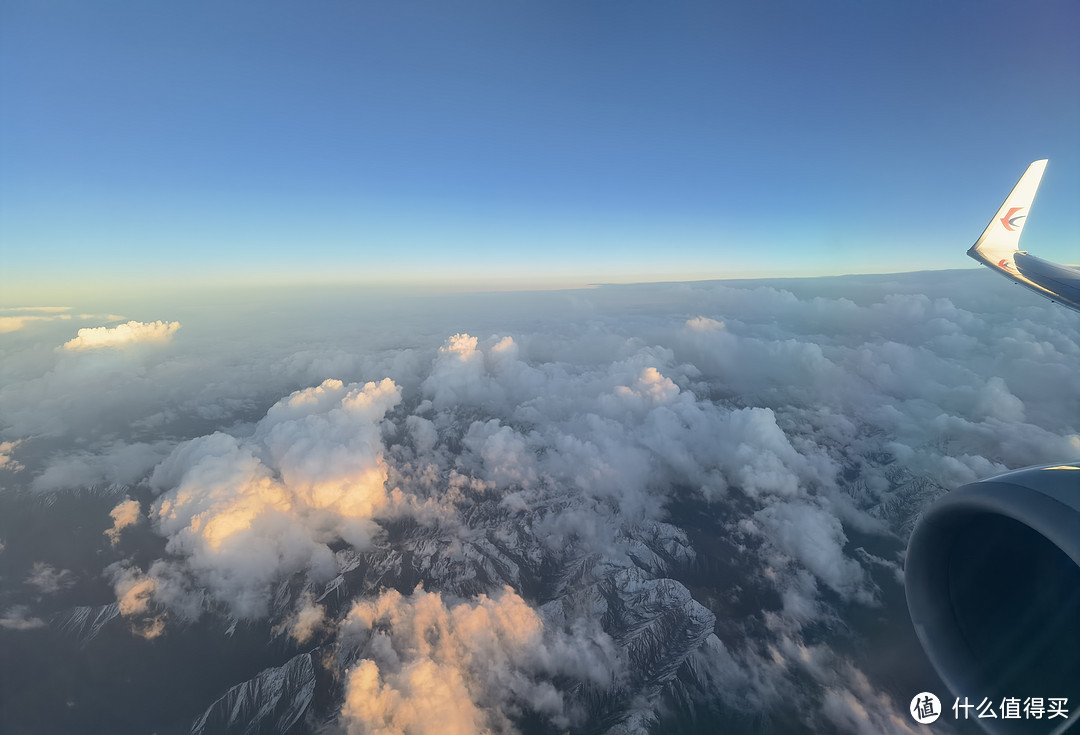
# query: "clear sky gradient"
522,143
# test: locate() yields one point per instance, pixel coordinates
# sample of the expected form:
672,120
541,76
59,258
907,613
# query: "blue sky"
515,144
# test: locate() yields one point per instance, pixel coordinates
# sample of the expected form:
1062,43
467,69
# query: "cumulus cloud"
685,475
14,319
120,463
6,461
127,513
100,399
815,538
308,620
125,334
244,513
852,704
134,589
20,618
135,596
424,665
615,430
47,580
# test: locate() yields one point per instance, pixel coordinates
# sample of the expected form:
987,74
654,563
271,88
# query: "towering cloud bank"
124,334
423,666
242,514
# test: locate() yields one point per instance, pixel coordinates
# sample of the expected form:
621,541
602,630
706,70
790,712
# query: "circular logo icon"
925,708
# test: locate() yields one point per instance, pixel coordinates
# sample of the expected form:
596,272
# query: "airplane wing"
998,248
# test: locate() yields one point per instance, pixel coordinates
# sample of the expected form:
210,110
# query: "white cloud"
42,309
102,317
131,332
124,464
18,617
308,620
13,319
127,513
815,538
6,461
134,590
557,453
423,665
852,705
244,513
47,580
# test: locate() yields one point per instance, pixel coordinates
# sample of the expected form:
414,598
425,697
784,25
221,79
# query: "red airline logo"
1009,221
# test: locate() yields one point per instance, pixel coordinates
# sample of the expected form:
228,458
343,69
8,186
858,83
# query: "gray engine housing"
993,587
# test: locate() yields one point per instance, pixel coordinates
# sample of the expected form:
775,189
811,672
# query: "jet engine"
993,588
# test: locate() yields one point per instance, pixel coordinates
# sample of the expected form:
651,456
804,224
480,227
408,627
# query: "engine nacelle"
993,588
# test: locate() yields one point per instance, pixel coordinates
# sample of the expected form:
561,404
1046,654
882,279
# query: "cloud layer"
614,506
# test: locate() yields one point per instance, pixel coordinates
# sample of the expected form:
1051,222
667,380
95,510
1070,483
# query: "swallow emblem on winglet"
999,247
1011,219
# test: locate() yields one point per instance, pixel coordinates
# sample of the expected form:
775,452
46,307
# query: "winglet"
1001,238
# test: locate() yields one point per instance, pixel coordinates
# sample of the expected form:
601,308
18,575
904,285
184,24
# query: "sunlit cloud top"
125,334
